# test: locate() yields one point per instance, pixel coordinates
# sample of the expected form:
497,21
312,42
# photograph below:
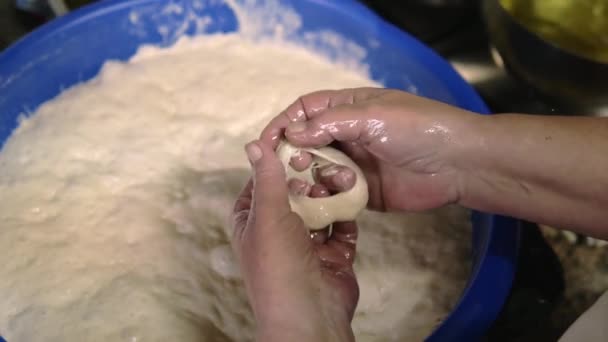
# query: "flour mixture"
114,200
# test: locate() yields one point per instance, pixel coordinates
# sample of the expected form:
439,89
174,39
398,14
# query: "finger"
308,106
319,190
243,201
337,178
319,236
303,188
240,212
369,166
301,161
346,233
344,123
298,111
298,187
336,253
269,182
341,246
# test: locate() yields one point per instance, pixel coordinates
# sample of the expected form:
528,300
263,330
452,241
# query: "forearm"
551,170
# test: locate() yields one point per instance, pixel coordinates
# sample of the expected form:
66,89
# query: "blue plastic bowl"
72,49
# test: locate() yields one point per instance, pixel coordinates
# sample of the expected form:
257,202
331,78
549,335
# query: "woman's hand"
407,146
419,154
301,288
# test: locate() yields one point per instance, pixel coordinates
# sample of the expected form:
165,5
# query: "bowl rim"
496,266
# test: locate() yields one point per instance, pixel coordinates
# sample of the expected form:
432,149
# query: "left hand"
300,288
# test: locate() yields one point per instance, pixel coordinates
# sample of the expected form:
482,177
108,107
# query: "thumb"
270,191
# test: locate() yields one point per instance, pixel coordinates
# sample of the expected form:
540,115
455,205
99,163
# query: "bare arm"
546,169
419,154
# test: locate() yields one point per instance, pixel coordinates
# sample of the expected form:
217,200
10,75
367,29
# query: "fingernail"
296,127
254,152
330,171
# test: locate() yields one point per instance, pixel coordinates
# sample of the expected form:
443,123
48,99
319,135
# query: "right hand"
300,288
408,147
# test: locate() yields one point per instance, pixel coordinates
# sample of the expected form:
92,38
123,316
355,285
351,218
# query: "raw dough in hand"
318,213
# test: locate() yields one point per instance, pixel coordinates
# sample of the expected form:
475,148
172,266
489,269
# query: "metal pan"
574,82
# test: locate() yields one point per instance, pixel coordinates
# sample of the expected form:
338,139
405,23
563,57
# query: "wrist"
304,330
480,161
464,149
277,335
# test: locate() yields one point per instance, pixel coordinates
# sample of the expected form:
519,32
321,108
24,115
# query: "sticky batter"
318,213
114,200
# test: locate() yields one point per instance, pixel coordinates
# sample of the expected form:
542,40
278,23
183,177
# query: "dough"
114,200
318,213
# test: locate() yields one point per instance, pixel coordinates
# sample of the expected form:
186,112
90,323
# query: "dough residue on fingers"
318,213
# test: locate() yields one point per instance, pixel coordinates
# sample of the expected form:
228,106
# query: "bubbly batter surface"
114,200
